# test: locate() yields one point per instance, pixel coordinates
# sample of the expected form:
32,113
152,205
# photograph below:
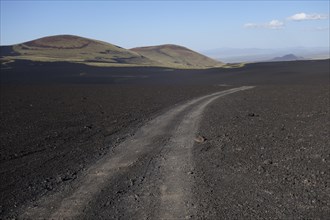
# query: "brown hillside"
178,56
71,48
77,49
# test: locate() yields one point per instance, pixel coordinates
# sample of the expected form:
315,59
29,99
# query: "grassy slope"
77,49
92,52
177,56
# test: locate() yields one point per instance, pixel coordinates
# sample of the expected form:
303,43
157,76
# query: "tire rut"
169,138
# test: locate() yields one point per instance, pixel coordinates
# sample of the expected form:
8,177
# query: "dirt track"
173,156
54,127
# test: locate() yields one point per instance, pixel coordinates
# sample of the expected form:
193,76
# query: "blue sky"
199,25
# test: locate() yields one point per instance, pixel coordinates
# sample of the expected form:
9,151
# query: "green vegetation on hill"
177,56
76,49
71,48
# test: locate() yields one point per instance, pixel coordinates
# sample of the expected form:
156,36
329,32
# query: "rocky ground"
265,155
51,133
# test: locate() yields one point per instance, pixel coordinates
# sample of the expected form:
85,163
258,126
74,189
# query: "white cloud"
305,17
251,25
274,24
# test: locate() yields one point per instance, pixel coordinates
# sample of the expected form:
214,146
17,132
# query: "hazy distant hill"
79,49
73,49
177,56
234,55
288,57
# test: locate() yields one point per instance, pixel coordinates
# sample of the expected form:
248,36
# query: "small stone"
200,139
253,115
268,161
300,140
88,127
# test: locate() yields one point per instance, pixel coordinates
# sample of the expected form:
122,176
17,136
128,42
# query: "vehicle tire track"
175,189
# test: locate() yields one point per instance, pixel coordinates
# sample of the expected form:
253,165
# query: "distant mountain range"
83,50
238,55
288,57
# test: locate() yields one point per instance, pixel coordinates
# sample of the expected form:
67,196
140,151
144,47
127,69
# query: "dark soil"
51,133
265,153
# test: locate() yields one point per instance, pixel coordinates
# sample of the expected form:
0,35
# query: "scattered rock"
261,169
120,192
69,176
253,115
205,148
88,126
268,161
132,182
200,139
300,140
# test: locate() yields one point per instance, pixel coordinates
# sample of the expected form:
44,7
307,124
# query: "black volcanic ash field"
265,154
